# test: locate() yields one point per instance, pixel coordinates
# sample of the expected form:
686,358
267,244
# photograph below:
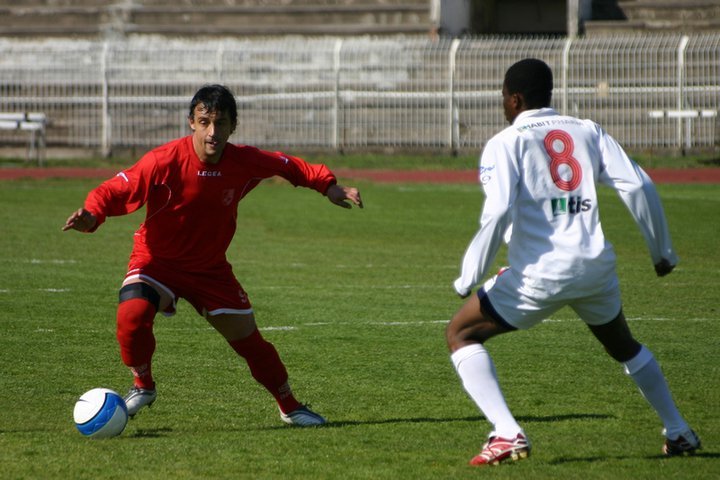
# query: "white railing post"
453,120
106,125
336,101
564,80
681,89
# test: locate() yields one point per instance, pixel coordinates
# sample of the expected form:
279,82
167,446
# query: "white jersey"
539,176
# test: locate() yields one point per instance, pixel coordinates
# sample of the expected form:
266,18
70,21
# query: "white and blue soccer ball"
100,413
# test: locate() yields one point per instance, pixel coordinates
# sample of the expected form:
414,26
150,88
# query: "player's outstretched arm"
338,194
80,220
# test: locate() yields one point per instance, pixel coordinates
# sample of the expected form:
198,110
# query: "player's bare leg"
469,328
640,364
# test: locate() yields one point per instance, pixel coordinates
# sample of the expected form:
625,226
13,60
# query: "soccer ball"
100,413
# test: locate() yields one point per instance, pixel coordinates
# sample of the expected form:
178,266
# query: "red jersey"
192,206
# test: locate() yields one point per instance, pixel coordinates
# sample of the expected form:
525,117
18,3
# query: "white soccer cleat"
138,398
302,417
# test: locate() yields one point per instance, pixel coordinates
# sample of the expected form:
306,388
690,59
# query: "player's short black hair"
533,79
216,98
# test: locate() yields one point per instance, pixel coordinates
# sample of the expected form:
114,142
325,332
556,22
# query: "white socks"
647,375
477,372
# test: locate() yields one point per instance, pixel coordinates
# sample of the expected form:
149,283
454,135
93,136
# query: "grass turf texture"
356,303
384,161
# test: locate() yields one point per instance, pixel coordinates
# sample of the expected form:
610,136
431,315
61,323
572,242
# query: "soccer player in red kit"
191,188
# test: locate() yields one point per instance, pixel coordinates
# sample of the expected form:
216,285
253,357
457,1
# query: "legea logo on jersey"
569,205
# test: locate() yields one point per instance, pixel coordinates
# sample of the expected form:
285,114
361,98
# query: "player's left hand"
663,267
338,194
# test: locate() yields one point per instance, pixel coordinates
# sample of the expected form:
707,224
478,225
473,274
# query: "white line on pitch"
291,328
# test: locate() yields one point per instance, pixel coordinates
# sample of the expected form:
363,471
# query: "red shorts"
210,292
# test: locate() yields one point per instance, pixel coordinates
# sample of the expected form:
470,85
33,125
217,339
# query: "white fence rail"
650,92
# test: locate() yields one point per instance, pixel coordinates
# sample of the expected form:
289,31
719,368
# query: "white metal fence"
650,92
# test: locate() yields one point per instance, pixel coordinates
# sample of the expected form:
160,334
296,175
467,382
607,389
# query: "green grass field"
356,303
389,160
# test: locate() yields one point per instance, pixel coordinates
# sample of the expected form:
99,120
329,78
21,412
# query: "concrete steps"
94,18
660,16
281,20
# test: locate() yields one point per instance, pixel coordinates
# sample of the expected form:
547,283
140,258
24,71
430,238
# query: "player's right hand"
663,267
80,220
338,194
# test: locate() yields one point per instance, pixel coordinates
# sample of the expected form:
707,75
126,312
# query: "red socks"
267,368
137,345
137,342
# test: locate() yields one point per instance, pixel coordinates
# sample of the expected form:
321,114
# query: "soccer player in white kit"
539,178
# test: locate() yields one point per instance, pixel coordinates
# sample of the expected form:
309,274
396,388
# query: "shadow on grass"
562,418
162,432
150,433
477,418
605,458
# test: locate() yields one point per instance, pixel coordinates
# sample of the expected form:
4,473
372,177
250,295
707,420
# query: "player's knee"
462,331
135,330
136,312
457,331
142,291
451,336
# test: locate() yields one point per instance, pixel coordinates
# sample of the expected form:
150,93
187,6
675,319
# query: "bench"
686,117
33,122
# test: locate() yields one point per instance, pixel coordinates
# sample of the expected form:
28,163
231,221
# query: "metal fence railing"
650,92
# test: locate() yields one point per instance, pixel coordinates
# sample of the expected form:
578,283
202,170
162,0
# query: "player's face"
211,131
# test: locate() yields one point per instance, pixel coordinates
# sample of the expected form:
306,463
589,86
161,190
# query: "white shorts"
509,296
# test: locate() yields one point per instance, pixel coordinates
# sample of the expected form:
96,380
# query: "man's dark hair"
533,79
216,98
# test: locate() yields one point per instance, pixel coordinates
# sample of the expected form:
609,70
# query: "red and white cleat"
498,449
685,444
